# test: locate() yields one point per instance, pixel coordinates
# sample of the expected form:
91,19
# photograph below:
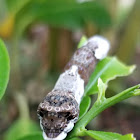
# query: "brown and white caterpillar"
60,108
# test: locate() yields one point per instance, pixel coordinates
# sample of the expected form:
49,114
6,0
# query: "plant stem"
15,79
22,105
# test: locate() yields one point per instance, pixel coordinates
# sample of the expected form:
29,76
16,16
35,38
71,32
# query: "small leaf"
107,69
84,106
82,41
21,128
99,135
101,90
4,68
33,136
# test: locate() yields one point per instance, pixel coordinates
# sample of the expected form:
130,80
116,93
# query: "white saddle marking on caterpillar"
70,81
102,45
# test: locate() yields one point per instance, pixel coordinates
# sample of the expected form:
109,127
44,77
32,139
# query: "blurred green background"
41,36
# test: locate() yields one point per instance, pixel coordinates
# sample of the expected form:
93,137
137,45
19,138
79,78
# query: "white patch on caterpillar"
70,81
102,45
69,127
63,134
41,123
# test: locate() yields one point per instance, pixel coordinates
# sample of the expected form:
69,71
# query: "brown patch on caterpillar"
85,60
56,111
54,123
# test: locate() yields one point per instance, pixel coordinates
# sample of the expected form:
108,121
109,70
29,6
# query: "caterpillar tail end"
102,46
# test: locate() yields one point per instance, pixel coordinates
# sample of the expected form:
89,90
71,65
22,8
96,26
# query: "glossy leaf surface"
99,135
107,69
84,106
4,68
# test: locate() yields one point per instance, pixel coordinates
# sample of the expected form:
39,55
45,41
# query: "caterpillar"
60,108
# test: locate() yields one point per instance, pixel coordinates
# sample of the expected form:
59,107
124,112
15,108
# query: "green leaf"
33,136
62,13
84,106
101,90
20,129
82,41
99,135
107,69
4,68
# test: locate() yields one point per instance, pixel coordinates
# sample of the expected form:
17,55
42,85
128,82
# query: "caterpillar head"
58,113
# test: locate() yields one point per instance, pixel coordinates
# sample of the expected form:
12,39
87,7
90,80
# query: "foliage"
4,68
82,41
66,14
107,69
20,128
